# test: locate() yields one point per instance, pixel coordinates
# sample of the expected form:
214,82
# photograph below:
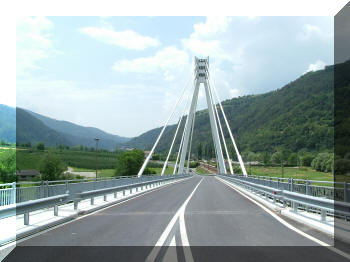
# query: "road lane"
138,222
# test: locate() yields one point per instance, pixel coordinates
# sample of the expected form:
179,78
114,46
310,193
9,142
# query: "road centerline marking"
184,239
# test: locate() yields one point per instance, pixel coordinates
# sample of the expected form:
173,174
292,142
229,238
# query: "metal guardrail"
25,191
296,200
76,196
32,205
329,189
103,192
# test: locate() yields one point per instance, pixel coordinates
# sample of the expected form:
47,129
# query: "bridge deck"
215,215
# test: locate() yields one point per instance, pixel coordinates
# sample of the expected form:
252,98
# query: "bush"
194,164
307,159
341,166
52,167
8,166
323,162
40,146
129,163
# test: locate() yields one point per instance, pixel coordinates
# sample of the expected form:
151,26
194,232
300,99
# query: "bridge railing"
297,201
339,191
24,191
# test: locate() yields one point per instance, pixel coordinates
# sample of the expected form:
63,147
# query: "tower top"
201,69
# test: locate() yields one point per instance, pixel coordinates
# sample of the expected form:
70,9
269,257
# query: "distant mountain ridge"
22,126
7,123
81,135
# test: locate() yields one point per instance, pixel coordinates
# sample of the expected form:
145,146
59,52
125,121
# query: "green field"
100,172
31,159
289,172
168,170
201,170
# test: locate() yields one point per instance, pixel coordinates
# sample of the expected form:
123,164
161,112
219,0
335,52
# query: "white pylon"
201,77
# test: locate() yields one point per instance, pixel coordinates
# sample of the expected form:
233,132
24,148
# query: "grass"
27,159
168,170
290,172
100,172
201,170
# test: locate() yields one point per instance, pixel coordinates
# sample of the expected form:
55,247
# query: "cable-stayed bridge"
179,217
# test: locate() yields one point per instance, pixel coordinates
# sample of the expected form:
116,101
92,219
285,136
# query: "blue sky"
124,74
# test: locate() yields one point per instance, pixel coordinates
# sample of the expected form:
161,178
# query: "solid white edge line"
285,223
99,210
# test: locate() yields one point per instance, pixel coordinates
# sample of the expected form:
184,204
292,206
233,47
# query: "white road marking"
171,253
172,242
285,223
99,210
153,255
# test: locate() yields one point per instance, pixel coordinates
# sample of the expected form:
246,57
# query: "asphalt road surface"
202,212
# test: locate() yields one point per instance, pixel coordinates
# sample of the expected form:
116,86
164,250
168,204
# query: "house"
27,174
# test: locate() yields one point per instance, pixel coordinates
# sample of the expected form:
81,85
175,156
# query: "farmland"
27,159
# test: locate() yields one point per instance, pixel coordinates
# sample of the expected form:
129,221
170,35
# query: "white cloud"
127,39
310,31
211,27
168,60
234,92
33,43
204,40
318,65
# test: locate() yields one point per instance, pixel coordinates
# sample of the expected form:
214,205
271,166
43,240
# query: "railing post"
55,210
105,197
307,189
42,190
46,188
13,199
292,185
26,218
76,204
289,184
323,215
278,183
346,198
92,201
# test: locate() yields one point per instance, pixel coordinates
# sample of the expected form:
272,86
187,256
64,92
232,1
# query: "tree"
199,151
8,166
129,163
40,146
306,159
323,162
51,167
277,157
264,157
293,159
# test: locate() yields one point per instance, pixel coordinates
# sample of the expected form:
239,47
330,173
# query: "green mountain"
7,123
34,128
31,129
295,117
80,135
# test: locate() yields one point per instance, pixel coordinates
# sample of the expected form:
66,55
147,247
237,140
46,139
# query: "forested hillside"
81,135
298,116
33,130
7,123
